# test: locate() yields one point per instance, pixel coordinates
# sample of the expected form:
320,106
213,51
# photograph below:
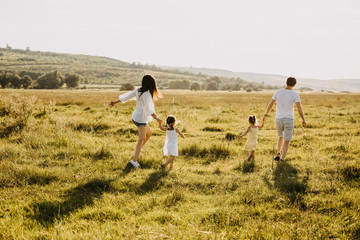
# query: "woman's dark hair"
148,83
252,119
170,120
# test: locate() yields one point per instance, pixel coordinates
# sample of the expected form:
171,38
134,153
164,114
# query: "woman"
144,111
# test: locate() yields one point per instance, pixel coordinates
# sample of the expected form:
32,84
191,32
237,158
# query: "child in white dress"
251,142
170,148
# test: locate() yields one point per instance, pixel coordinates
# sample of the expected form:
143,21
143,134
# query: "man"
285,99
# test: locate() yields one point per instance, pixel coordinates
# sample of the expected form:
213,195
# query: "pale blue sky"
304,38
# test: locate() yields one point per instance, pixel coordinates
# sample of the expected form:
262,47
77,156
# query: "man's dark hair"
291,81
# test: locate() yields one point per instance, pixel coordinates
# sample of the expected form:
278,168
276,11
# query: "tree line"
51,80
211,84
217,83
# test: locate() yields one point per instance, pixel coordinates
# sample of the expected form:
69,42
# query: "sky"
302,38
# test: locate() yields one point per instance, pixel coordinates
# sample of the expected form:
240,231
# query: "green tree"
212,86
33,75
51,80
236,87
26,81
302,89
195,87
14,80
184,84
4,79
126,87
215,78
72,80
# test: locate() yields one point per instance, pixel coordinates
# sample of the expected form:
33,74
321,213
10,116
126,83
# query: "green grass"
65,171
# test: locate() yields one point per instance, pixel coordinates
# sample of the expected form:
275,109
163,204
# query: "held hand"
160,121
304,124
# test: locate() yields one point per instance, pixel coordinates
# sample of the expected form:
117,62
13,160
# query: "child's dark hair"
170,120
252,119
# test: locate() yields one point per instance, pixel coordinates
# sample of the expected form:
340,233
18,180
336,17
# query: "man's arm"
269,107
301,113
262,124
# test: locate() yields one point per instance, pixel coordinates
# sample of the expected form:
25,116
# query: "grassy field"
65,173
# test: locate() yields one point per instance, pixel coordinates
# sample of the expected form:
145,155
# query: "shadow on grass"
77,198
145,164
286,179
351,175
246,166
128,168
153,182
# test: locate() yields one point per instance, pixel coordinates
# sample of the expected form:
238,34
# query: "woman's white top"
170,147
144,107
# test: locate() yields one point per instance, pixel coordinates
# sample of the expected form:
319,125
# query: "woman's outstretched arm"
112,103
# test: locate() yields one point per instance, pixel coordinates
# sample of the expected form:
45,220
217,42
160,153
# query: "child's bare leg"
247,152
168,160
249,155
253,155
172,162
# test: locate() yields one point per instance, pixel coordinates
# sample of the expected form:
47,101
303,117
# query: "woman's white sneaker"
135,164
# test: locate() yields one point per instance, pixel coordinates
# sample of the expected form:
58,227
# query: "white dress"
170,147
251,142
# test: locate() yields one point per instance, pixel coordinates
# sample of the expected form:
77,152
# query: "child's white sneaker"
135,164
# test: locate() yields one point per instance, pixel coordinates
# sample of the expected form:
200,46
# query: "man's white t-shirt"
285,100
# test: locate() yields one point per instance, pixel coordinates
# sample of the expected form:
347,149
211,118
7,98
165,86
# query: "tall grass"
65,172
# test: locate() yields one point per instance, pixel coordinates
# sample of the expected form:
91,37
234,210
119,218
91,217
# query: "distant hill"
352,85
97,70
92,69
